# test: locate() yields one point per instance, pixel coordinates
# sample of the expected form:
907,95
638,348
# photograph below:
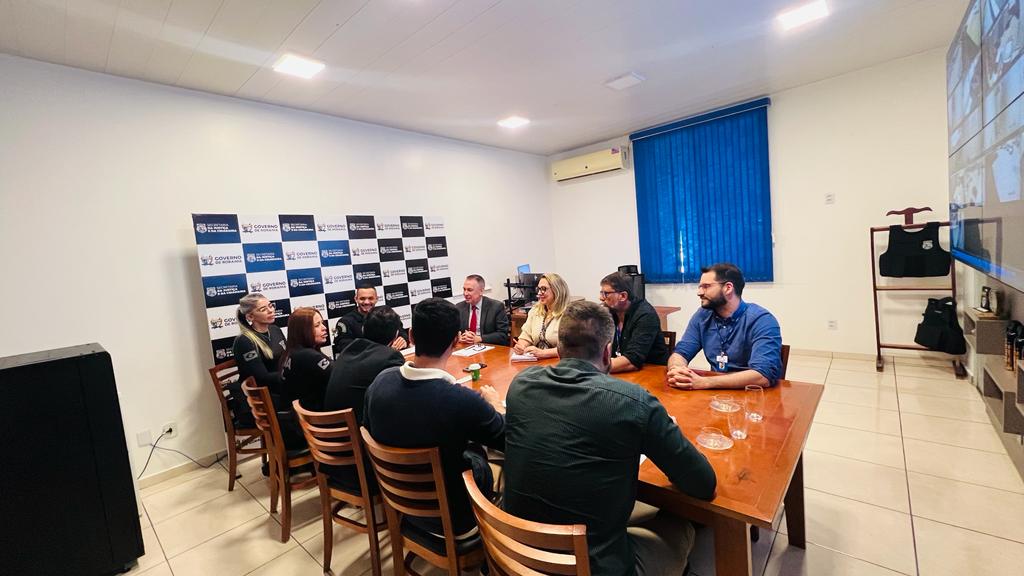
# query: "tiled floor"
903,474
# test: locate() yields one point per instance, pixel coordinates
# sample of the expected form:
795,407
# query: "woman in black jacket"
257,350
305,370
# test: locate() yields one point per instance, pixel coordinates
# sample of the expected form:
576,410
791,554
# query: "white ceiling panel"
241,40
40,28
88,22
454,67
183,29
136,32
318,25
8,29
444,25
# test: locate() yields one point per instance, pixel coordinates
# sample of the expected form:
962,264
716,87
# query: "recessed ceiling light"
805,14
514,122
625,81
298,66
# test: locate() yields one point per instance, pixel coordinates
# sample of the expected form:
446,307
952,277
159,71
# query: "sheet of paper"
524,358
472,350
643,458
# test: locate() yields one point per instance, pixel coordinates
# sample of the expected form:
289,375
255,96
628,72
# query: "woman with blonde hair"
539,335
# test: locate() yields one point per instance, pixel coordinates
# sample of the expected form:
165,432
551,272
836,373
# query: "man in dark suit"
481,319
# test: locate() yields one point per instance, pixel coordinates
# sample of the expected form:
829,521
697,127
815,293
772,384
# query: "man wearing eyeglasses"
739,338
637,339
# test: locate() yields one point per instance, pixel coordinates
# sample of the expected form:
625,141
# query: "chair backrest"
331,436
265,415
221,375
410,479
785,361
670,338
516,546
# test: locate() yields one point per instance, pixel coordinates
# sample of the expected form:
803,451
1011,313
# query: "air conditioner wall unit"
594,163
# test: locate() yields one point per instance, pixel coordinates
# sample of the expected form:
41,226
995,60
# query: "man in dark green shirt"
573,440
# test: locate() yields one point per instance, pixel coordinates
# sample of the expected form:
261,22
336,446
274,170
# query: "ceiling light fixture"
805,14
625,81
298,66
514,122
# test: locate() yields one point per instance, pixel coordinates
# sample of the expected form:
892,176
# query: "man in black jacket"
362,360
638,338
350,326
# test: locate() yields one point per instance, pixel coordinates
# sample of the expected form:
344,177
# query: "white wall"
99,176
876,138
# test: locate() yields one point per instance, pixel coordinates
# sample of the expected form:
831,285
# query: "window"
703,195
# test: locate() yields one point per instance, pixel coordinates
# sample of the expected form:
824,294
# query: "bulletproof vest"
914,254
940,329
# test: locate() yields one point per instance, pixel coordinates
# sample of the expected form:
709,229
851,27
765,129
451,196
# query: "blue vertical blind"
703,196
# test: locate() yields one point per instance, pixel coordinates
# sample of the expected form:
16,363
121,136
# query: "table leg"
732,547
794,501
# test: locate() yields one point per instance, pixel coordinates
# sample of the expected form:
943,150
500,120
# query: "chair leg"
286,507
394,526
232,463
371,526
328,514
274,484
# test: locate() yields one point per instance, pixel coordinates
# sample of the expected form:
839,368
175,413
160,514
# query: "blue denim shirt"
751,338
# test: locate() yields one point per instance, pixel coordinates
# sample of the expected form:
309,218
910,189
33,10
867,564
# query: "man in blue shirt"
737,337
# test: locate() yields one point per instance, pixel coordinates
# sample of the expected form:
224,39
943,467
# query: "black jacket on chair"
492,321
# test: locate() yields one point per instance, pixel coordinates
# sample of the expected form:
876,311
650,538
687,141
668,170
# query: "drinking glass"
738,421
754,399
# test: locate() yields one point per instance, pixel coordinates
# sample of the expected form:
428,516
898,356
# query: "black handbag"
940,330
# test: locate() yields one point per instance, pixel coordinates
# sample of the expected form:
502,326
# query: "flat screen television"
985,80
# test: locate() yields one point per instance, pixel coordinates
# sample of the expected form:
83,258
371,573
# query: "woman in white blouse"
539,335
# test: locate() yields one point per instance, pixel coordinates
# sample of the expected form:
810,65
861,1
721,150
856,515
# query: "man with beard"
350,326
737,337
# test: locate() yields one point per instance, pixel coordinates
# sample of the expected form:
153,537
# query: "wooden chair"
282,462
520,547
412,484
238,437
670,338
333,441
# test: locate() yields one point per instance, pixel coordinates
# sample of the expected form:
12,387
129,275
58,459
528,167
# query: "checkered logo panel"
299,260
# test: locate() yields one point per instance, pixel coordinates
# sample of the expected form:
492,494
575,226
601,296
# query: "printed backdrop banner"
299,260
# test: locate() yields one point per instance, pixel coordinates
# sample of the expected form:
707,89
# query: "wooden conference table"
755,477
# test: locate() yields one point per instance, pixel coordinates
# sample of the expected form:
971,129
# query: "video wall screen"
985,80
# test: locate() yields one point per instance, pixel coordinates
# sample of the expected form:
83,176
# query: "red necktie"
472,321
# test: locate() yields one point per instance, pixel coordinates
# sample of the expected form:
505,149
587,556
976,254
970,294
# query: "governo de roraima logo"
247,228
255,287
206,260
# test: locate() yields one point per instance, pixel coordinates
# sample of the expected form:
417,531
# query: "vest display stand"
908,224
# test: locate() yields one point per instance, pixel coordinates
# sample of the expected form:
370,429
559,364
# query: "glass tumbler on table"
738,421
754,399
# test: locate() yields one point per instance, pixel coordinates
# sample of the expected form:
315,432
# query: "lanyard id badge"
722,359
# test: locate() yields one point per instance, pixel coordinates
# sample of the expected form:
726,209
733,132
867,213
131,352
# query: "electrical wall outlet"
171,429
833,325
144,438
830,198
